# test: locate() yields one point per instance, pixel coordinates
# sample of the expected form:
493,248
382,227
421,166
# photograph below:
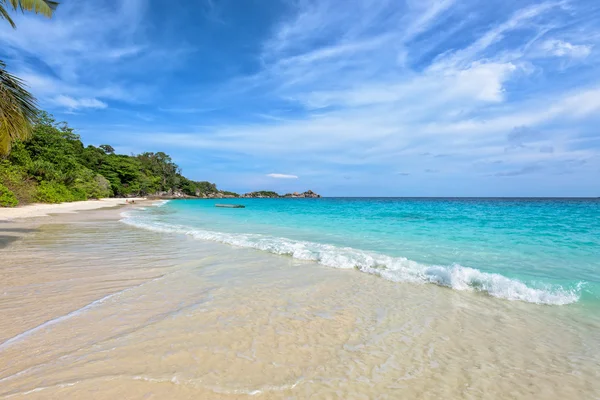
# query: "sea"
543,251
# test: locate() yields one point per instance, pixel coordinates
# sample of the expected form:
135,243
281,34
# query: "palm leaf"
4,15
18,110
44,7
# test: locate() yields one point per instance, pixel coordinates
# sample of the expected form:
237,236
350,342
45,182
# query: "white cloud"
483,81
428,11
520,19
85,52
282,176
359,107
559,48
76,104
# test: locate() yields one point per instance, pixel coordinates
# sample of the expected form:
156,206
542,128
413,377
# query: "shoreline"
45,210
143,311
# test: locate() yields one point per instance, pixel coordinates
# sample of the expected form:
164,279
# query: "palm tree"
17,110
17,106
44,7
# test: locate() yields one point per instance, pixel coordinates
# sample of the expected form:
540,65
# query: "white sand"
43,210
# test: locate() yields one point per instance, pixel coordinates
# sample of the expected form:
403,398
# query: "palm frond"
18,110
43,7
4,15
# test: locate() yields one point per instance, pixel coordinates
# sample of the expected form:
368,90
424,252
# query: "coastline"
129,312
45,210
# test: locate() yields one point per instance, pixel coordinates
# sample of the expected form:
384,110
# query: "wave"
396,269
160,203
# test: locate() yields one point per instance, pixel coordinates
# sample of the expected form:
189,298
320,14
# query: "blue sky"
352,98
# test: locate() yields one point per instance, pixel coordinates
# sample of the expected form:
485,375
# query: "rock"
267,194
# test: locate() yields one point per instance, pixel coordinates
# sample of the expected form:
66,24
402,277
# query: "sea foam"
396,269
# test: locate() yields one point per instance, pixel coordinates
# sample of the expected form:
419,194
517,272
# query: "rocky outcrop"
309,194
263,194
178,194
170,194
217,195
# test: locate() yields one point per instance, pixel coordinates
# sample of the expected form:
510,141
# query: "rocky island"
222,194
309,194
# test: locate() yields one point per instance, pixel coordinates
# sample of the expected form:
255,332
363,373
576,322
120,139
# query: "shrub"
53,192
88,185
7,198
17,181
102,187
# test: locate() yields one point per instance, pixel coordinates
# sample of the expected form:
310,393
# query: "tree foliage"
7,198
263,193
17,110
54,166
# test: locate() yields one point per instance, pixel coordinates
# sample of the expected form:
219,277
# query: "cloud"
559,48
187,110
522,134
549,166
483,81
76,104
520,19
282,176
86,52
530,169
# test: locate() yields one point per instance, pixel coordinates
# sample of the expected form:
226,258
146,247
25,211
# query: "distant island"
309,194
221,194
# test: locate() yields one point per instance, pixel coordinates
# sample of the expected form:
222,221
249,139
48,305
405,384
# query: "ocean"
544,251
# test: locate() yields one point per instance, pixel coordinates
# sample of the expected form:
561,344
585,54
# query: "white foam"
160,203
397,269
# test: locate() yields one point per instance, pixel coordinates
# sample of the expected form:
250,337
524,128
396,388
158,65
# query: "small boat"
230,205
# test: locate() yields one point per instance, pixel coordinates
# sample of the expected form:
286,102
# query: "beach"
43,210
94,308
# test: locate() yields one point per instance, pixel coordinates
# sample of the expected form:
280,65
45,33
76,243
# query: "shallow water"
541,251
99,309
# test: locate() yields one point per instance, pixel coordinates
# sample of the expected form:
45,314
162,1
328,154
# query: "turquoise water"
544,251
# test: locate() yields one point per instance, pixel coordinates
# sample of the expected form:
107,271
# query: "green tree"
108,149
17,106
54,166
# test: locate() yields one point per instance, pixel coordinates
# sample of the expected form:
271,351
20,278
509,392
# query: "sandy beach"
43,210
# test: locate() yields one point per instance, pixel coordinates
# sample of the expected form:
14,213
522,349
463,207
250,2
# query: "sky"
346,98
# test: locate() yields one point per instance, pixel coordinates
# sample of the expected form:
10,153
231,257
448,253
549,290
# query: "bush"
88,185
17,181
53,192
7,198
102,187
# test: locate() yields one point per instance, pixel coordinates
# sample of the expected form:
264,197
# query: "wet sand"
91,308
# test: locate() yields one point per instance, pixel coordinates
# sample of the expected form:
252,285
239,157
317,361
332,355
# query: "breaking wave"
396,269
